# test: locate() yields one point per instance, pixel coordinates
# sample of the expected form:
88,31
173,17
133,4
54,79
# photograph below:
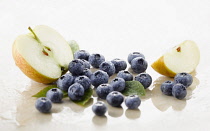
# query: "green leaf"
65,94
43,92
86,97
82,102
74,46
133,88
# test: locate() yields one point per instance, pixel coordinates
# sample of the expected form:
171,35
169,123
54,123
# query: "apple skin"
27,69
36,52
187,54
161,68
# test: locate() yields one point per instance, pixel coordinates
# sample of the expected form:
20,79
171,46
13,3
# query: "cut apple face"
43,55
182,58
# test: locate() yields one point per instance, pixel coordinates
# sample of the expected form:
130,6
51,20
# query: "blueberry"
76,67
55,95
132,101
179,91
99,108
43,105
119,64
145,79
99,77
139,65
133,55
86,63
166,87
87,72
108,67
84,81
118,84
96,59
183,78
76,92
81,54
126,75
115,98
65,81
103,90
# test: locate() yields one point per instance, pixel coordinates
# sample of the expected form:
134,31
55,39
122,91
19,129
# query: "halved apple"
182,58
43,55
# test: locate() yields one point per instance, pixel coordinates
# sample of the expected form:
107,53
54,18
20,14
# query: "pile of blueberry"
81,78
178,87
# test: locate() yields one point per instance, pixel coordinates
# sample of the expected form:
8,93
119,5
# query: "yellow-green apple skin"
182,58
42,55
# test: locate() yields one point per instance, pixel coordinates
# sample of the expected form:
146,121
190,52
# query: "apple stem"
35,36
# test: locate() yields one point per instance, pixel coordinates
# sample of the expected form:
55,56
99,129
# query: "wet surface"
150,35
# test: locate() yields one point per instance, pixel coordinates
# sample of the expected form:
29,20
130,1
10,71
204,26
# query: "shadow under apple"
163,102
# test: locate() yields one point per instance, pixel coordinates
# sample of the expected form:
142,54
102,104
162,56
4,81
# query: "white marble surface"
114,29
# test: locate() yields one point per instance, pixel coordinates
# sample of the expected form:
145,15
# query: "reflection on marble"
94,93
163,102
133,114
112,77
67,110
148,95
99,120
26,105
115,111
132,72
79,109
93,69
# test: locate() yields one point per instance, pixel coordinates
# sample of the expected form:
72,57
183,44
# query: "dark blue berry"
103,90
126,75
115,98
99,77
65,81
84,81
118,84
96,59
43,105
179,91
86,63
99,108
139,65
87,72
108,67
76,67
145,79
132,101
183,78
55,95
119,64
81,54
133,55
76,92
166,87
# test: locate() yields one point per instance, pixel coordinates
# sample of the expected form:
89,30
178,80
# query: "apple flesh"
43,55
182,58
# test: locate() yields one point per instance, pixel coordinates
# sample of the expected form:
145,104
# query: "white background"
113,28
